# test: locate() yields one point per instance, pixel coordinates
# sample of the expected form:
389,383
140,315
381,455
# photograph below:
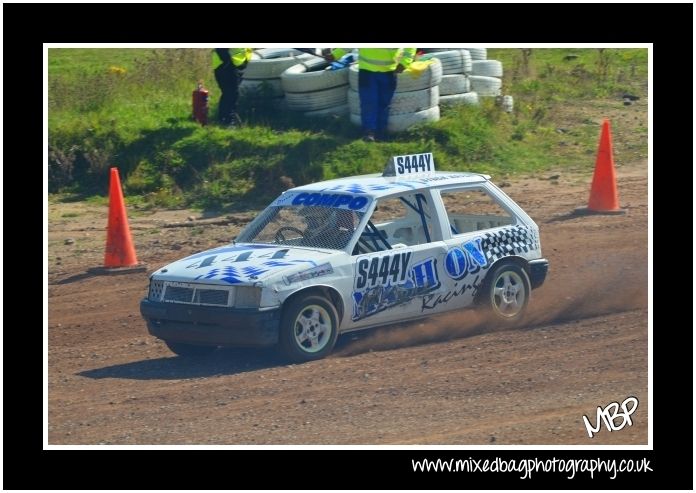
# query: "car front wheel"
309,328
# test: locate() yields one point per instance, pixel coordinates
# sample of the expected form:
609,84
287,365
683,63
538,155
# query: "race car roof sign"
318,199
410,165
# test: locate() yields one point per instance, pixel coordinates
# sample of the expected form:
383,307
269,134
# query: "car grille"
212,296
179,295
190,294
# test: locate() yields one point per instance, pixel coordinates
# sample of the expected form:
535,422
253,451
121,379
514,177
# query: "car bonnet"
243,264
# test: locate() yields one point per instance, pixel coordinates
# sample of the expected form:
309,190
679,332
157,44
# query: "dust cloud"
555,302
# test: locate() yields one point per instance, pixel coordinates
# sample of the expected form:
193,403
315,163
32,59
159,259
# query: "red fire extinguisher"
200,104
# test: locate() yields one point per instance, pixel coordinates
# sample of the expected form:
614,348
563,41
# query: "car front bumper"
211,325
537,272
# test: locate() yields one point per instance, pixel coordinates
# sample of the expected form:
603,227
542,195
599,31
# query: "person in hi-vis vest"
377,71
229,64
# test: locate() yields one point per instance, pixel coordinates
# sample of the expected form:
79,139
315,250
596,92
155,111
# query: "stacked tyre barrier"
415,101
486,77
262,77
311,89
455,87
288,79
480,78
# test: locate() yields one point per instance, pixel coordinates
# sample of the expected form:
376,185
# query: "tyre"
309,328
271,67
453,61
508,104
454,84
485,86
487,68
506,293
310,76
189,350
477,53
267,53
318,100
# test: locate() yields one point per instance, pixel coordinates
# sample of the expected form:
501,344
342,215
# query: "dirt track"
446,380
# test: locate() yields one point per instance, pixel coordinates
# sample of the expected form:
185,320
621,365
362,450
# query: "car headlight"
247,297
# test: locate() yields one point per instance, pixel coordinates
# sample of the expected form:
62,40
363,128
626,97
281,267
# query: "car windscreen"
313,226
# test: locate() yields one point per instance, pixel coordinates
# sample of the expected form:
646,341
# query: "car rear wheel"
309,328
507,292
189,350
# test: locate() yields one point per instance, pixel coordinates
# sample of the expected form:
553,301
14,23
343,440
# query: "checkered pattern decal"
513,240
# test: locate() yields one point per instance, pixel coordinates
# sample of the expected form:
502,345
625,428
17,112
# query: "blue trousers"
376,90
228,77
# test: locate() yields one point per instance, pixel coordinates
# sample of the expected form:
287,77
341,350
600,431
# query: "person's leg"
367,85
226,75
234,95
387,86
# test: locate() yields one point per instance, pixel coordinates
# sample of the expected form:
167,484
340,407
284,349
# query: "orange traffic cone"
120,252
604,198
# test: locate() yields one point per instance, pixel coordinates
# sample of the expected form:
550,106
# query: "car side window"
397,222
473,209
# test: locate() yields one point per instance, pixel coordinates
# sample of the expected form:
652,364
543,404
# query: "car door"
396,260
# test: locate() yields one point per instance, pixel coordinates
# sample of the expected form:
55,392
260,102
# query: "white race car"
349,254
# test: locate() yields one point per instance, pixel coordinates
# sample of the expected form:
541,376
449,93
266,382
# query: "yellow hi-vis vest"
380,59
239,56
